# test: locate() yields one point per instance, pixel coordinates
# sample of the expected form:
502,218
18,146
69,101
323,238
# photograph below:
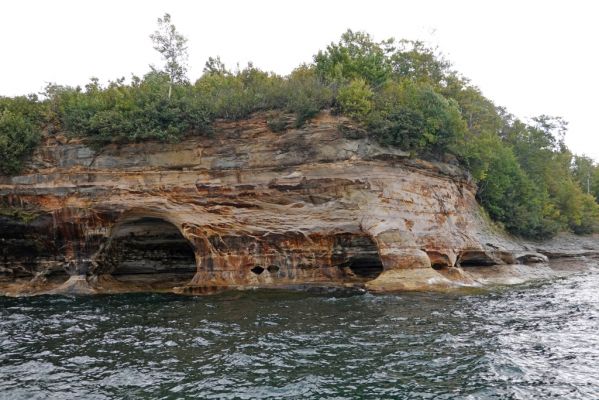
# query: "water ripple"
535,341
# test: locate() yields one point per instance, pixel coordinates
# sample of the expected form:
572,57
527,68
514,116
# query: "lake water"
534,341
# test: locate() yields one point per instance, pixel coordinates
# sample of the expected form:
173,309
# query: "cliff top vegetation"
405,94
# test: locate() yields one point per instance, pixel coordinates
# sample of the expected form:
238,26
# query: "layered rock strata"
319,206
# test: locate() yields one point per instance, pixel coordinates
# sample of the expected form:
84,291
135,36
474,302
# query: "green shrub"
236,96
306,94
355,99
355,56
416,118
20,131
127,113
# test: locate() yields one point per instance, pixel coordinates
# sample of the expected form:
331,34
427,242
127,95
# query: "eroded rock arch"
147,250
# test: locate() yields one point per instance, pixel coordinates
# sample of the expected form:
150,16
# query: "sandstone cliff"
245,207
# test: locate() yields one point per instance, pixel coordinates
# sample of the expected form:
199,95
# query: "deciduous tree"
172,46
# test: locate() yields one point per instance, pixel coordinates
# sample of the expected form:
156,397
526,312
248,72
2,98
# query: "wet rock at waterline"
245,208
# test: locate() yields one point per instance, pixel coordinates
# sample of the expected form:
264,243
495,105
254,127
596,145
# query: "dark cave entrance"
358,256
150,251
439,266
366,267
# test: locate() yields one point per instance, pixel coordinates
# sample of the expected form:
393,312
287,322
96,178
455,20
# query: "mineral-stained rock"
243,207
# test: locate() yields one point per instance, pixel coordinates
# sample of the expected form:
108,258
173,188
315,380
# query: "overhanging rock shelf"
243,207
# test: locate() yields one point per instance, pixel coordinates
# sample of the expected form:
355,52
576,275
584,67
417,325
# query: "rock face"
243,207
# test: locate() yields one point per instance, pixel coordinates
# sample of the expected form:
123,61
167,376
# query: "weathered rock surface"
244,207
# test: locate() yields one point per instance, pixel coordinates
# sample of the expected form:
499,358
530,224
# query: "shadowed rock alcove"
365,267
359,256
150,251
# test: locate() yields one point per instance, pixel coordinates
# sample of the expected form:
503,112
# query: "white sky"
533,57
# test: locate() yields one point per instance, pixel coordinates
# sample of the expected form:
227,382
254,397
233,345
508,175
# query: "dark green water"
535,341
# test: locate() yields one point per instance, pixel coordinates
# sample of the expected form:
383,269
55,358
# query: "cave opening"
151,252
439,266
257,270
367,267
358,255
476,262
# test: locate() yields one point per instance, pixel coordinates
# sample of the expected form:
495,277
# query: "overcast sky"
532,57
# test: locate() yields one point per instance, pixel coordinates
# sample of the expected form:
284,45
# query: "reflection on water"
536,341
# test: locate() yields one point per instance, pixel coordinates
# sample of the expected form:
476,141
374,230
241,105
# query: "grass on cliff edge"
404,95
